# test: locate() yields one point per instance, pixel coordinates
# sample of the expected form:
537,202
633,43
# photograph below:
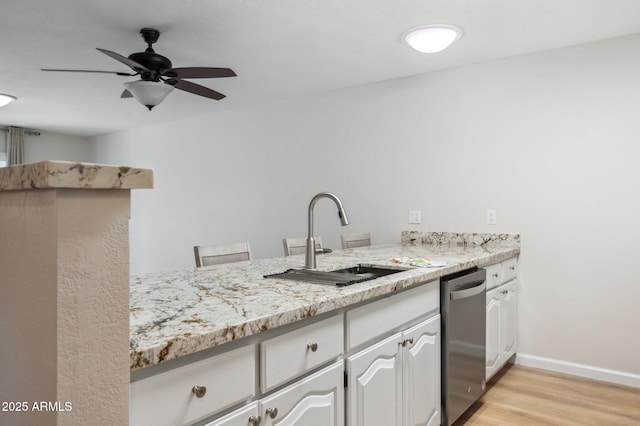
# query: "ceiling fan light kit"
158,78
432,38
148,93
6,99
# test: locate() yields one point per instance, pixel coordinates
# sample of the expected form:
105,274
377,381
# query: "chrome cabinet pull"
254,420
272,412
312,347
199,390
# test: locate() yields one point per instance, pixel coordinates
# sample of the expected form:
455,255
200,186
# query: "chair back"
355,240
215,255
299,245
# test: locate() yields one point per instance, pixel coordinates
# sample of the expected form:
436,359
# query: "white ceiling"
280,49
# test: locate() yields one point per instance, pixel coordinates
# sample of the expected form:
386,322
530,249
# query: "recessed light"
432,38
6,99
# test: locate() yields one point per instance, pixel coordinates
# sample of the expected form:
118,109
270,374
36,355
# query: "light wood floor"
520,395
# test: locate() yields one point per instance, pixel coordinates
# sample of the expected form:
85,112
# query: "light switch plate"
415,216
491,217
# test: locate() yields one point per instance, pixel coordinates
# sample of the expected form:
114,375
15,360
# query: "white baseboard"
582,370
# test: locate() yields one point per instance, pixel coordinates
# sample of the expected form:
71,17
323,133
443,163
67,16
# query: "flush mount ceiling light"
6,99
148,93
432,38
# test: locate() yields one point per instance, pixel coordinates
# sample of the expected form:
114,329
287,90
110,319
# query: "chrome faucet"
310,258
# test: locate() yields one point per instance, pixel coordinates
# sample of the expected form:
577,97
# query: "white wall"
549,140
53,146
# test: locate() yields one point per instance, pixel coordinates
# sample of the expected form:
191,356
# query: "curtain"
15,146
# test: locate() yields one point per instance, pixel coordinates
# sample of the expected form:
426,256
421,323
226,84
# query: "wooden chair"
355,240
299,245
215,255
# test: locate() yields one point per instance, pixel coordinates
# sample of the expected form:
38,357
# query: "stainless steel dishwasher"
463,313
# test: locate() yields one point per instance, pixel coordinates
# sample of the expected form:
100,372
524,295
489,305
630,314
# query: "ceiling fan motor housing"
151,60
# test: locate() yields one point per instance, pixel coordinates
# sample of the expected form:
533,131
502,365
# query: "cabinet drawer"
509,269
494,275
167,398
294,353
379,318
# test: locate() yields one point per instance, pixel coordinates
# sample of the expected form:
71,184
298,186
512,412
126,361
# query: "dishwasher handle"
467,292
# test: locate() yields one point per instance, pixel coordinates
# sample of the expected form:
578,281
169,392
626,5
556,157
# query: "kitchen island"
179,313
225,346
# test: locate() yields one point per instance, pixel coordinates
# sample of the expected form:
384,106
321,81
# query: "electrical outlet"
415,216
491,217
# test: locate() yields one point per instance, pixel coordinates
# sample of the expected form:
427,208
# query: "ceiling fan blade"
198,72
126,94
118,57
196,89
95,71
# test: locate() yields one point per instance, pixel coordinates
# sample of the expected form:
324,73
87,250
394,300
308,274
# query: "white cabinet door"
509,319
494,318
421,374
375,384
245,416
502,326
317,400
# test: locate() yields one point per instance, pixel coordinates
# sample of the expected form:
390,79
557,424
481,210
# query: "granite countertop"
174,314
69,175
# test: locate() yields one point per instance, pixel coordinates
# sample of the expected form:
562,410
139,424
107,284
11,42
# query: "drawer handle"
513,268
254,420
199,390
495,275
272,412
312,347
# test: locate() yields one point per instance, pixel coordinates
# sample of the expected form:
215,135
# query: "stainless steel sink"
370,270
341,277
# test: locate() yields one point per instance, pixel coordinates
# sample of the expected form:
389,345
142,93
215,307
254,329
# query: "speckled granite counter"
178,313
65,174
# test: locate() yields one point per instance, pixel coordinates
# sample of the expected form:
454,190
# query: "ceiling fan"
157,75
